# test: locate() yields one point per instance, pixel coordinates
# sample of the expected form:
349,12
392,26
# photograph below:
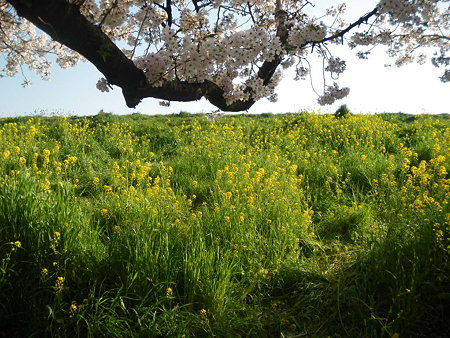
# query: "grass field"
254,226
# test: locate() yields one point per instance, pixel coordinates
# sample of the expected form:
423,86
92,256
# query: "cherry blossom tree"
232,52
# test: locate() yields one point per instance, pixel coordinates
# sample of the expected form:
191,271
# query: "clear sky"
373,88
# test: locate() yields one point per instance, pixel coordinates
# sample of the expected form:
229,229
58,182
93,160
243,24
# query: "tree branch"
169,12
113,5
268,68
351,26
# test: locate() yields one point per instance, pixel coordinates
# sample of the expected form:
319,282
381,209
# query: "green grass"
275,225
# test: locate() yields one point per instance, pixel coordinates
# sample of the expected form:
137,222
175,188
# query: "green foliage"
342,111
274,225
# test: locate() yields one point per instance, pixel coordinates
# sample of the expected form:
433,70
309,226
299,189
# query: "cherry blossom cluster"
336,65
401,10
446,76
301,35
20,44
102,85
228,42
418,28
333,93
154,66
222,59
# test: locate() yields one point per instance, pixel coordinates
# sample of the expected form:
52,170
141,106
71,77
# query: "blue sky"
373,88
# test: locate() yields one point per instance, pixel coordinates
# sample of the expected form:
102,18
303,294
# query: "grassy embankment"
245,226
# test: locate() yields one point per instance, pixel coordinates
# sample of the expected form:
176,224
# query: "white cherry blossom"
235,44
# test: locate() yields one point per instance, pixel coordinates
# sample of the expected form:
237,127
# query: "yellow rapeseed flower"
104,211
59,282
73,308
22,161
70,160
6,154
169,292
45,185
44,272
56,236
17,244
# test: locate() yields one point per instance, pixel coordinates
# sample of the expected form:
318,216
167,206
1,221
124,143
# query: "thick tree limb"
65,24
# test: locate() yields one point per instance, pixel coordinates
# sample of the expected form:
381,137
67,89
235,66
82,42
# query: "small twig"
250,11
107,13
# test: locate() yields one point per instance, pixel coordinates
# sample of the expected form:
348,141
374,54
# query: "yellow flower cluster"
242,186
